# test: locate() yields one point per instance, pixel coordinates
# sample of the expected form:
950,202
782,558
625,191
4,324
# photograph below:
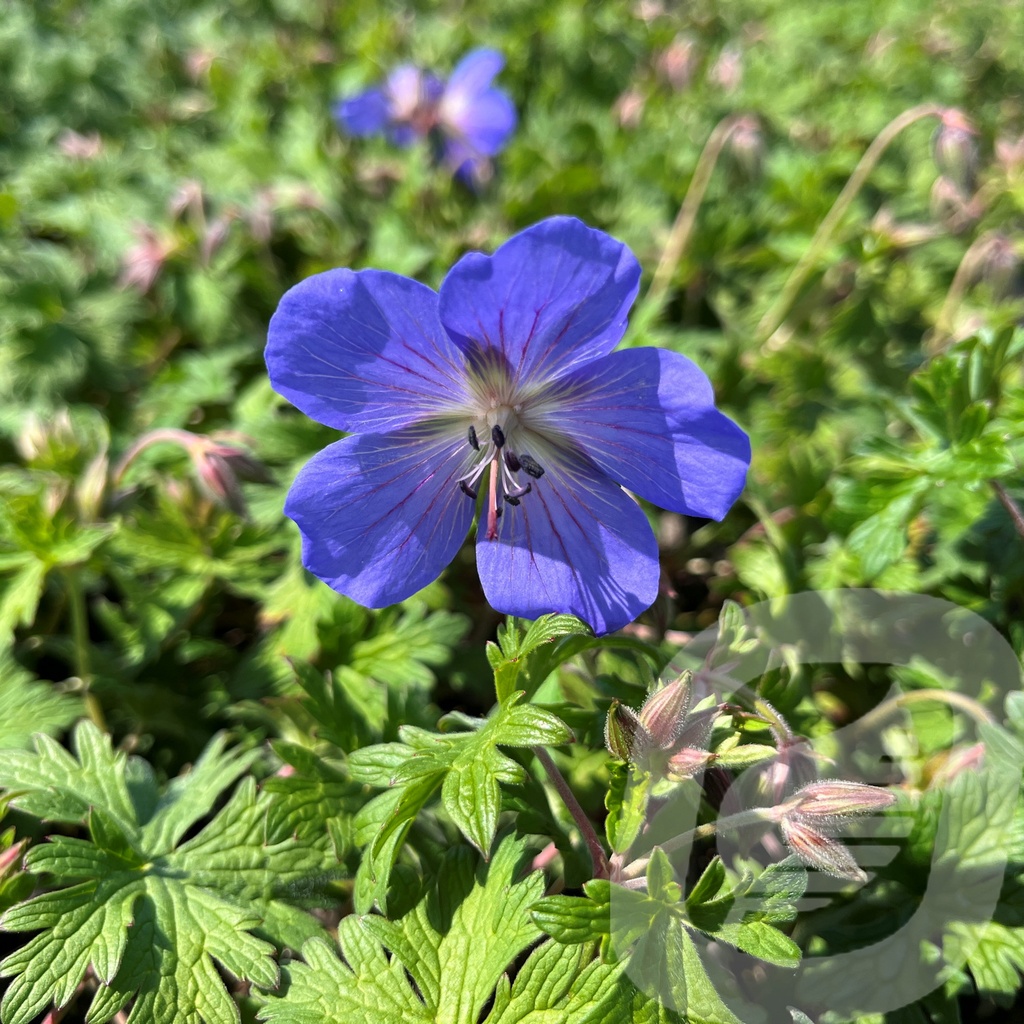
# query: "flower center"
492,436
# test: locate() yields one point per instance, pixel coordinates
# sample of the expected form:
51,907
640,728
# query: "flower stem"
773,318
1010,505
583,823
968,705
753,816
80,640
161,434
942,332
682,229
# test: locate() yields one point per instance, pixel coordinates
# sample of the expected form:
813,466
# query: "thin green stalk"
682,229
943,331
773,318
583,823
80,641
878,714
754,816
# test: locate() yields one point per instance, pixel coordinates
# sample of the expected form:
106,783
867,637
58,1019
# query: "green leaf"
150,916
29,706
626,801
882,538
574,919
507,659
455,945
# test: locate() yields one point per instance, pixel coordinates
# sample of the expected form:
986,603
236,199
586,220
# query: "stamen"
498,436
466,489
512,461
511,500
473,442
518,492
530,465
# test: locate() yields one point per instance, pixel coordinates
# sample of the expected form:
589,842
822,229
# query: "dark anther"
466,489
498,436
497,512
511,461
531,467
473,442
511,499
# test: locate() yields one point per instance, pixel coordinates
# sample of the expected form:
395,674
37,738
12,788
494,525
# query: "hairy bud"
833,799
665,710
623,733
820,851
955,149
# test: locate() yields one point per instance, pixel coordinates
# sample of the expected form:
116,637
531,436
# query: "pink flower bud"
664,711
79,147
832,799
629,108
727,71
955,149
677,63
820,851
687,761
746,144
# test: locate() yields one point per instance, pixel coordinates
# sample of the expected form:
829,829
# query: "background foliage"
169,169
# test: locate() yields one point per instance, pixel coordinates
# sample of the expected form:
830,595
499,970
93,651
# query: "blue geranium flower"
468,117
503,390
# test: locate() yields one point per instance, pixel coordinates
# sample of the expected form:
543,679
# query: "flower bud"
629,108
999,265
951,207
677,63
76,146
833,798
746,144
955,149
42,442
820,851
664,711
623,733
91,488
727,71
687,761
144,260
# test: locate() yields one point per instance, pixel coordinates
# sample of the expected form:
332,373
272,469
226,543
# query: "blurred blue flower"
504,384
467,118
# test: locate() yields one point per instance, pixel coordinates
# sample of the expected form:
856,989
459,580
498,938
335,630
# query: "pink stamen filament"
492,498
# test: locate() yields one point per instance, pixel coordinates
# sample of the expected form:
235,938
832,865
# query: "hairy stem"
753,816
943,330
1016,516
682,229
772,319
583,823
968,705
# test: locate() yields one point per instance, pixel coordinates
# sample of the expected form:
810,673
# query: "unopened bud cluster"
664,734
813,812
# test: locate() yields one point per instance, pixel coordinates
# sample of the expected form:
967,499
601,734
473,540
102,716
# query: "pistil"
505,464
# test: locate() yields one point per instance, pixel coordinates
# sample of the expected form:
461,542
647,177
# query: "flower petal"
474,114
551,298
381,515
647,418
365,114
577,544
363,351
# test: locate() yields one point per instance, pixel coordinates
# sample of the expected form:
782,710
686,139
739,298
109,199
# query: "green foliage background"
168,169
